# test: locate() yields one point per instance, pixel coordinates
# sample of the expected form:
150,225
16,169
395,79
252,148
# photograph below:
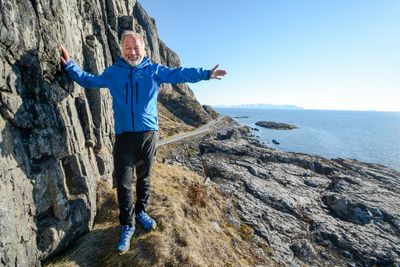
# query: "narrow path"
174,138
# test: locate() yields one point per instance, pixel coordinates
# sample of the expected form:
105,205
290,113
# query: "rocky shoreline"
307,209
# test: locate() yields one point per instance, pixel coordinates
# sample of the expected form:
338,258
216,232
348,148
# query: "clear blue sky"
316,54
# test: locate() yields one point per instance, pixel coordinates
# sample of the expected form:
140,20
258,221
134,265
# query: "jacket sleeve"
165,74
84,78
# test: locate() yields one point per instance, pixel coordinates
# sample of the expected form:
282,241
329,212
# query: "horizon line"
295,107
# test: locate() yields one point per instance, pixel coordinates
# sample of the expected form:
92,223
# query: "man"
134,83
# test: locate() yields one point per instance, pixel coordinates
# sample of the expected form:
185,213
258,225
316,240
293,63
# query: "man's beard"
132,62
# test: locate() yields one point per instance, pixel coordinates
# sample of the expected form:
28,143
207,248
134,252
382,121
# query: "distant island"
260,106
276,125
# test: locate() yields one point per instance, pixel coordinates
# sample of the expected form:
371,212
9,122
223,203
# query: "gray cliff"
56,138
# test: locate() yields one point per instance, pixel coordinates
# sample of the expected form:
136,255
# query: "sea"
367,136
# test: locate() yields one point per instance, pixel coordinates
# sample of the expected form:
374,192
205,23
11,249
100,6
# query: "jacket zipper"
126,92
133,117
137,93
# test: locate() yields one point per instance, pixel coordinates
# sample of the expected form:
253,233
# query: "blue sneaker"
124,241
146,221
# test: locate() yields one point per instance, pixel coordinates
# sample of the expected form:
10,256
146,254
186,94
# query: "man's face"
133,52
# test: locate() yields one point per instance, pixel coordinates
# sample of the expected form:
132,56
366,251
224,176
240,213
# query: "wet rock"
275,142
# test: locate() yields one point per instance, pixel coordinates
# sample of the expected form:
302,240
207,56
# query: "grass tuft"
196,195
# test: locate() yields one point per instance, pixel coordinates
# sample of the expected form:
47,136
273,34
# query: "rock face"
309,210
180,101
211,111
276,125
56,138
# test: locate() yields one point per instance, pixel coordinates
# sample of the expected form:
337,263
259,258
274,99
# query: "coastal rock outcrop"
55,137
308,210
276,125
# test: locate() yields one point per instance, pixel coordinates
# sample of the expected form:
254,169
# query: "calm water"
363,135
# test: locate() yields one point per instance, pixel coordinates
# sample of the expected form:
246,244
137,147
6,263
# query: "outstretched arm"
216,73
165,74
83,78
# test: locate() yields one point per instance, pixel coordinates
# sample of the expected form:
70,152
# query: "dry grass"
192,230
107,201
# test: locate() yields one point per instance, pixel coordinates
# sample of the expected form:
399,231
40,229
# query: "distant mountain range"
259,106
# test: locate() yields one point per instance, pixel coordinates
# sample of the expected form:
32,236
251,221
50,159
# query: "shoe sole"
120,252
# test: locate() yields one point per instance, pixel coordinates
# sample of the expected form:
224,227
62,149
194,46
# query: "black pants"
133,150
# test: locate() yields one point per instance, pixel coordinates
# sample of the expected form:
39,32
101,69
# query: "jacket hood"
122,63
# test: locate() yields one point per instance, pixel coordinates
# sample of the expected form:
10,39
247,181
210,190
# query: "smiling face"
133,50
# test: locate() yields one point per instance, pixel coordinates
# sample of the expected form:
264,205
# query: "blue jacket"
135,89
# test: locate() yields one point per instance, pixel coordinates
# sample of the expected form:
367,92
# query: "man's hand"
215,73
65,55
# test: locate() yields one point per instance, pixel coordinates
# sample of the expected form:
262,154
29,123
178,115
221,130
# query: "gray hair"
136,35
